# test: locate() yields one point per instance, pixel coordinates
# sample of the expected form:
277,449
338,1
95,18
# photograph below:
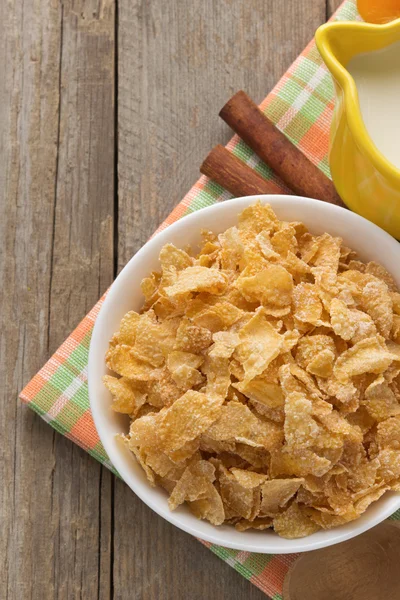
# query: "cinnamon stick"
234,175
276,150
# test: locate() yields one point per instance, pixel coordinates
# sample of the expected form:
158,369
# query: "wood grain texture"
332,6
178,63
81,270
368,565
29,63
57,120
65,532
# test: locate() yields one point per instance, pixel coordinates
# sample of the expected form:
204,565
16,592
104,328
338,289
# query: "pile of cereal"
262,378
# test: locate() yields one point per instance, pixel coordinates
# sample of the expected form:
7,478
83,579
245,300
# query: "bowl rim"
338,534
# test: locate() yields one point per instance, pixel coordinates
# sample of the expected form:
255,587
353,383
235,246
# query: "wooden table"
107,109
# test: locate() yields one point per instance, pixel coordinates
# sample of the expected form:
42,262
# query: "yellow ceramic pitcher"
366,180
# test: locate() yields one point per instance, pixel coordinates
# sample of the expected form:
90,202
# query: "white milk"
377,77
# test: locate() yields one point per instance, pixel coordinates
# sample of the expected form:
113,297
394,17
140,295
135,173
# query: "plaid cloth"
301,105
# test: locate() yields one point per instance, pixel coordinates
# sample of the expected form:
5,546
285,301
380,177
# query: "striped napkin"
301,105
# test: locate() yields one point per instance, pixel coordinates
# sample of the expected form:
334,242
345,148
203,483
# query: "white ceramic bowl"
371,242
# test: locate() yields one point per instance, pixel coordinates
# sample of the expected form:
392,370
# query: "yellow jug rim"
347,83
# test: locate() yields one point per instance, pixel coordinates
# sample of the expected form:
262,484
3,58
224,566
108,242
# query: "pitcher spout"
365,176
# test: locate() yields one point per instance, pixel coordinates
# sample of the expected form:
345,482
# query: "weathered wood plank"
29,63
56,198
56,148
156,561
82,268
82,261
178,62
332,6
